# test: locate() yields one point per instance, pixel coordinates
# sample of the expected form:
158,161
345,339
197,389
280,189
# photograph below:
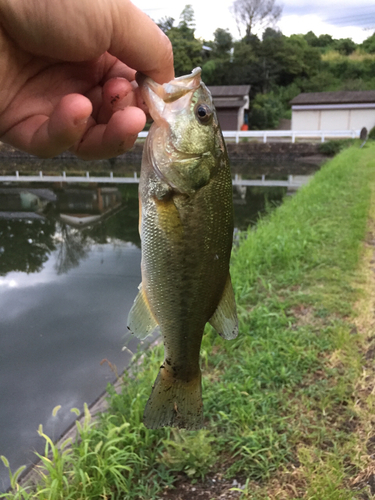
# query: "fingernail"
81,121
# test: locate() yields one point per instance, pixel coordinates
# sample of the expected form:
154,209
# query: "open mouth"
157,96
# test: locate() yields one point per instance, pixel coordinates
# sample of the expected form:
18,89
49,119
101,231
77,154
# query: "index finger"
140,43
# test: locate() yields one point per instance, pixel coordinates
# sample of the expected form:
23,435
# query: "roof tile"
339,97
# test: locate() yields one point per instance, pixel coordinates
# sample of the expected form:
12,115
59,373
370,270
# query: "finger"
111,139
120,70
140,43
117,94
46,136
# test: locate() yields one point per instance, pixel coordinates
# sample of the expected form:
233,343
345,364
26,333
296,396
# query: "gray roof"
21,215
229,90
339,97
46,194
228,103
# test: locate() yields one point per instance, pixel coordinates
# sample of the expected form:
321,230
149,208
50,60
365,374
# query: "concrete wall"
333,119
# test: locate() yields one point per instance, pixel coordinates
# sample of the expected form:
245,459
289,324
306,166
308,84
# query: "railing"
292,182
71,178
293,134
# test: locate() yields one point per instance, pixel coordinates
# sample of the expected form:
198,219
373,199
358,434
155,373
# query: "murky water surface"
69,272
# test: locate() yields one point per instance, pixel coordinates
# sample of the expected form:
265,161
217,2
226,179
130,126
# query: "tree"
165,24
296,59
322,41
25,247
369,44
345,46
187,50
266,112
187,18
325,41
271,33
252,13
223,42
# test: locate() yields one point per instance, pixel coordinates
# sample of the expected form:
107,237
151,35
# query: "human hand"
67,77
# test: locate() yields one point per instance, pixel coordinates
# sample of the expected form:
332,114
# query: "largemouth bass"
186,228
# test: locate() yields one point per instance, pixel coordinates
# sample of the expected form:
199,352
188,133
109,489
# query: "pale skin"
67,74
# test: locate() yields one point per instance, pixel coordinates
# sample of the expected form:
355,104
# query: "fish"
186,230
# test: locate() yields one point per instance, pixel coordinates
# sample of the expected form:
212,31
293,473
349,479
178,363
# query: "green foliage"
223,42
271,33
189,452
333,147
298,59
266,112
368,45
324,79
166,23
187,50
322,41
371,134
345,46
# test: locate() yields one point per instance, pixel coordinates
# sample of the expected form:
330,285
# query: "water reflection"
65,290
251,202
37,221
69,271
68,221
25,244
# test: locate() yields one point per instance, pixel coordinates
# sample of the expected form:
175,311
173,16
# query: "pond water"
69,272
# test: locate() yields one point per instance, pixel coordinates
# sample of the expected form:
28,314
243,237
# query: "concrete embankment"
252,155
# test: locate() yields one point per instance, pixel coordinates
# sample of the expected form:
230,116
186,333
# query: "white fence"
91,179
265,135
292,182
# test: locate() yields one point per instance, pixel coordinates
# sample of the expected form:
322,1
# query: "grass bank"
287,404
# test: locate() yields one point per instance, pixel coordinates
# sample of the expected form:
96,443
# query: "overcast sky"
339,18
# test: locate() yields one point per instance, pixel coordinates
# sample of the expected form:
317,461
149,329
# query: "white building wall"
348,118
335,119
362,118
305,120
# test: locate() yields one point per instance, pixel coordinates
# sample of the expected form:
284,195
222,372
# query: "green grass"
280,397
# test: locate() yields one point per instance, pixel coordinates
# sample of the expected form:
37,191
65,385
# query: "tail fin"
174,403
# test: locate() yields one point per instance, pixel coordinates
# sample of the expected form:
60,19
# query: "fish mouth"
156,96
163,101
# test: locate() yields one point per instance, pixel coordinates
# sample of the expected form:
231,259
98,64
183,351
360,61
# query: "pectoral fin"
224,319
141,321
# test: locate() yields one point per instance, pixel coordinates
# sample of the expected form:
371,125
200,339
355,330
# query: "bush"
371,134
331,148
266,112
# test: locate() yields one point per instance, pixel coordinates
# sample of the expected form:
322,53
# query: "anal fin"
224,319
141,321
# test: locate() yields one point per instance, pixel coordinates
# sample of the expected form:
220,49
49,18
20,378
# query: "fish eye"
203,113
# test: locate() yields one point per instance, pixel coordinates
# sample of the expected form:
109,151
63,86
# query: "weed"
331,148
189,452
